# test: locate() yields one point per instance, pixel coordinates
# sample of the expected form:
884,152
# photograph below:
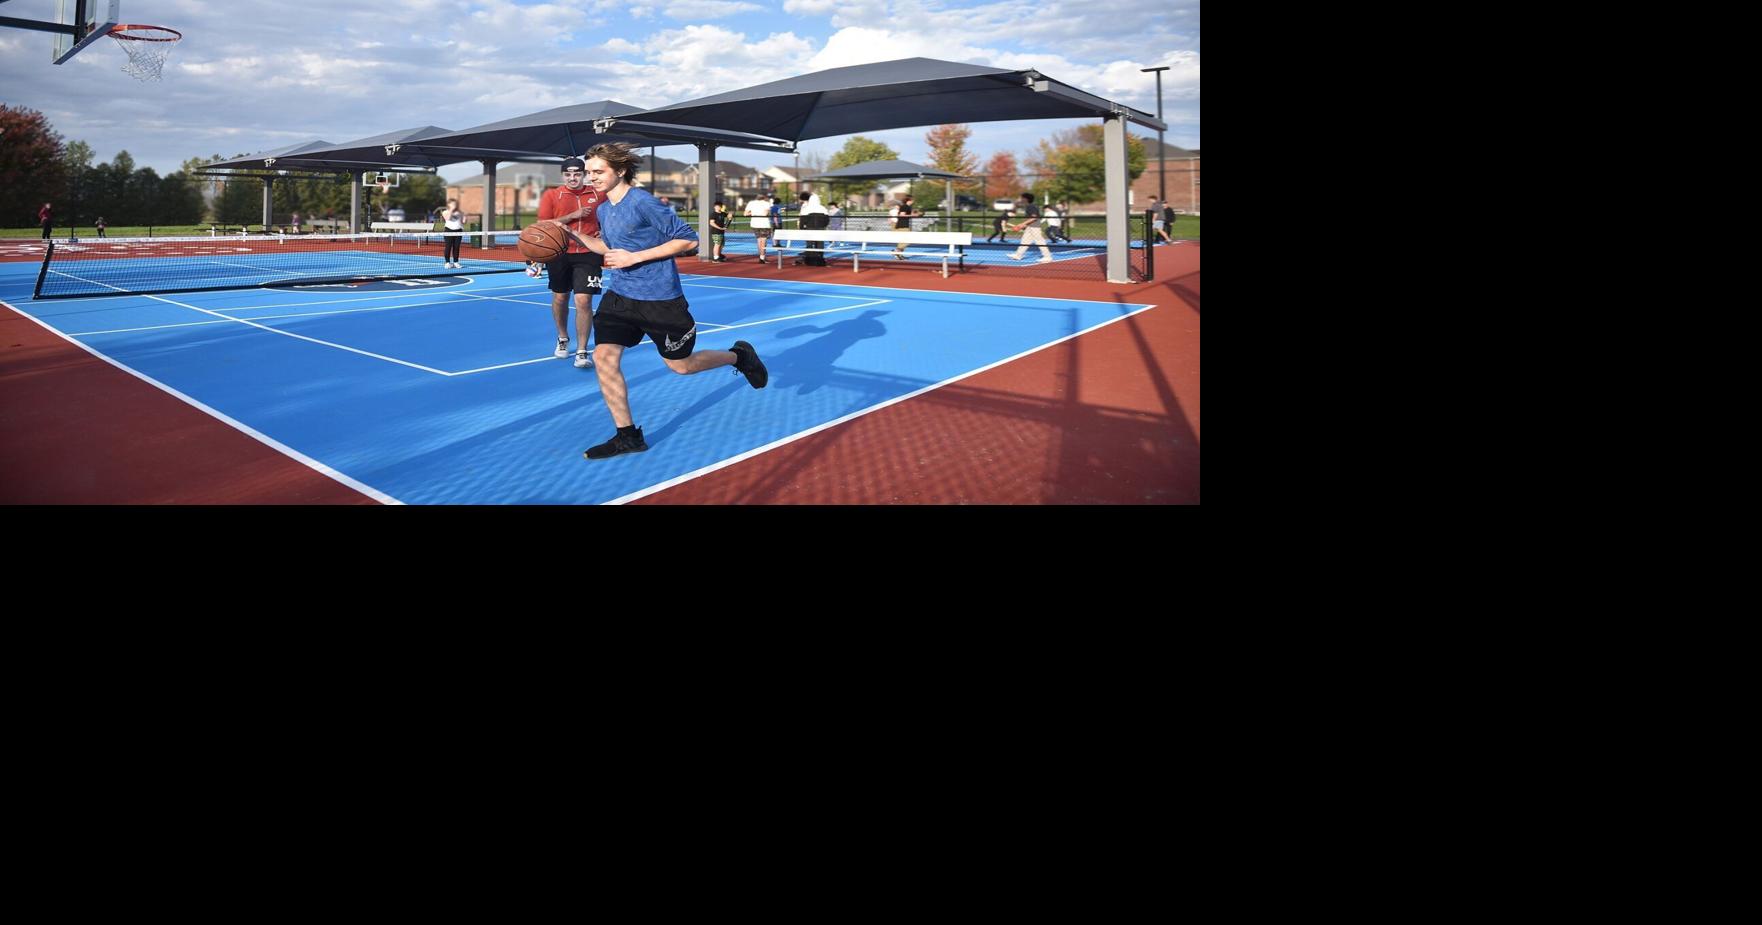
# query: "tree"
1072,165
33,166
1002,177
948,151
140,198
179,201
858,150
240,202
82,182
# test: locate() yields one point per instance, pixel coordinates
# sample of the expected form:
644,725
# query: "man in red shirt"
43,216
572,206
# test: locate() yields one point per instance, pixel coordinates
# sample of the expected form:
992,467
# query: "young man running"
639,238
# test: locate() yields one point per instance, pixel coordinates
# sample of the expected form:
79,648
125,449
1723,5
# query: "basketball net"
147,47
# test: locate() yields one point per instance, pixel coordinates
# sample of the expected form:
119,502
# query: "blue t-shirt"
638,223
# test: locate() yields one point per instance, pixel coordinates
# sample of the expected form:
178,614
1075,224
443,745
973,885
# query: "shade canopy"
266,160
561,132
886,170
889,94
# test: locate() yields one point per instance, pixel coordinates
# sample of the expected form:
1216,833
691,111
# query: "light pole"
1161,154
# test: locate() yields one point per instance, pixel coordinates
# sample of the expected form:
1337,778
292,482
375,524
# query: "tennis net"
140,266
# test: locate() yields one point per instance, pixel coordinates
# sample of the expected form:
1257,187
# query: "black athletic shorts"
580,272
668,323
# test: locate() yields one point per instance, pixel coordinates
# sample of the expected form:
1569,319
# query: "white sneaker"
1044,260
1015,256
562,346
582,361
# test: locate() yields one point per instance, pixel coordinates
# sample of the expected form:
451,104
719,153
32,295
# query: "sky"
254,75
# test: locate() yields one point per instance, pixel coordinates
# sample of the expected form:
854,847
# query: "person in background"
813,218
1159,219
758,213
44,215
295,227
999,228
101,226
1031,233
454,221
1054,222
718,231
573,206
902,221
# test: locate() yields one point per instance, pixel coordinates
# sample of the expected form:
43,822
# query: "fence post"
1149,247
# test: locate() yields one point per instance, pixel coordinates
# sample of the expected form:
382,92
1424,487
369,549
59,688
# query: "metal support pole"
489,200
706,197
1118,177
267,201
1162,172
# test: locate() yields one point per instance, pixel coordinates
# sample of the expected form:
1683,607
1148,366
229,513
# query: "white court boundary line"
784,441
240,426
947,292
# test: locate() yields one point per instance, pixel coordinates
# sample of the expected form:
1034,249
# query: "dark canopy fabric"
266,160
886,170
386,151
552,133
891,94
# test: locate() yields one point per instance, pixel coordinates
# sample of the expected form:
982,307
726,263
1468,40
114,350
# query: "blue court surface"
444,389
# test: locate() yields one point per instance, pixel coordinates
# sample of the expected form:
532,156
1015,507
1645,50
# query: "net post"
43,271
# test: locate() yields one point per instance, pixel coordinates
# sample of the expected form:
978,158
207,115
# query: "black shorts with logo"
580,272
667,322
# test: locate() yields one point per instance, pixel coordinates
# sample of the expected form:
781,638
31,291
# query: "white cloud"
688,10
244,79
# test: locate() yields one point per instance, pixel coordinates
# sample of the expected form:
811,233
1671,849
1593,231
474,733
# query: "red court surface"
1107,417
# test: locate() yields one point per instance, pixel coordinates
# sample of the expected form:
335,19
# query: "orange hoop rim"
120,32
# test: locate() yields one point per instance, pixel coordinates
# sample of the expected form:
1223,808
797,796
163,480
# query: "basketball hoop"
147,47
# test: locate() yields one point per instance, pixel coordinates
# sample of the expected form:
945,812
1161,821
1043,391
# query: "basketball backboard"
99,15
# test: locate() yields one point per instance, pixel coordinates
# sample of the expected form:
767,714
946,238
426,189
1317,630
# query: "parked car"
965,204
394,215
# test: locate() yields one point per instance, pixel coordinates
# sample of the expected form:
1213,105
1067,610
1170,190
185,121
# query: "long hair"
621,157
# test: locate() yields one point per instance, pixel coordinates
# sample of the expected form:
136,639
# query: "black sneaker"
748,364
618,444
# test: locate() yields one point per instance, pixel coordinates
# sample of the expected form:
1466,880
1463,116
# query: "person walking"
1031,233
453,223
44,215
573,206
758,214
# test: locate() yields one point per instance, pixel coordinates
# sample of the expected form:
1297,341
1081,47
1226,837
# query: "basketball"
542,242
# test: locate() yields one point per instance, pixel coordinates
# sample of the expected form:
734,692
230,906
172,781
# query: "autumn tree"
1002,177
33,167
1071,165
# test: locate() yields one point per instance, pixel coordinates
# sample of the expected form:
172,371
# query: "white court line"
941,292
240,426
784,441
455,296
